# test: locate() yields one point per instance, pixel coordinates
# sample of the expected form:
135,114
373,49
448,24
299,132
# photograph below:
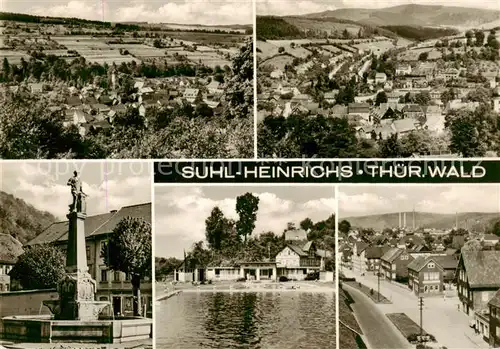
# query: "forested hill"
21,220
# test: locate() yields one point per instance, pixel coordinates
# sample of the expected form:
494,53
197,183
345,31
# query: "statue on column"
78,204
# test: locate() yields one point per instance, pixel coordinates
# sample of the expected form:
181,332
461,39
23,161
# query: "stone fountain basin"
45,329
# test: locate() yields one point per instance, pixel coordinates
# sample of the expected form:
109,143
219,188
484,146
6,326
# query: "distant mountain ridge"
414,15
467,220
20,219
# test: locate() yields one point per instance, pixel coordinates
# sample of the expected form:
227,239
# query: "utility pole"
378,283
421,307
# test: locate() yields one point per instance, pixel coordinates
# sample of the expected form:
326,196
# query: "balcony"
310,262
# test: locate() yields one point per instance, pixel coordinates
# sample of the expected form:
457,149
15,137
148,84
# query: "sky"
367,200
300,7
207,12
180,212
109,185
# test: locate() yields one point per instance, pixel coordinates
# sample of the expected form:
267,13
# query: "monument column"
76,257
77,289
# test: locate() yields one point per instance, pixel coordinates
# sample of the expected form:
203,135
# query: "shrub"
241,280
209,282
359,284
371,291
283,279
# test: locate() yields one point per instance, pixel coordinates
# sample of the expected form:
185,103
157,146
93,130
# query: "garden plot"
14,57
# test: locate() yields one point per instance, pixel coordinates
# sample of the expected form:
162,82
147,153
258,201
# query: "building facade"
478,279
425,277
394,264
494,321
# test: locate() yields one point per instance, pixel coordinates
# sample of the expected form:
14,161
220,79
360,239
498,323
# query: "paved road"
378,331
440,316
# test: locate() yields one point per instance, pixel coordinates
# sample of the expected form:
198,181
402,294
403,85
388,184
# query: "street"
378,331
441,318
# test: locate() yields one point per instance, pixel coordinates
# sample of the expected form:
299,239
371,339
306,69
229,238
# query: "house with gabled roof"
192,95
425,276
394,264
296,260
11,250
478,279
373,255
111,285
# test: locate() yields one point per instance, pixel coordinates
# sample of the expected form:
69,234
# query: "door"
117,305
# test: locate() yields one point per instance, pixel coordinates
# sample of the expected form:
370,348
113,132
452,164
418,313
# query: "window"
127,277
431,265
217,271
1,270
116,276
104,275
7,287
498,332
103,245
404,257
1,287
88,253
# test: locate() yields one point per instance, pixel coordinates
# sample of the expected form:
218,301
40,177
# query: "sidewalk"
440,315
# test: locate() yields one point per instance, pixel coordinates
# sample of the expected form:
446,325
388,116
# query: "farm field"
59,53
412,55
278,62
14,57
197,27
110,60
207,38
378,47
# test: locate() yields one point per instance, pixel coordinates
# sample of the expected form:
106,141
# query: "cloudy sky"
208,12
366,200
110,185
180,212
298,7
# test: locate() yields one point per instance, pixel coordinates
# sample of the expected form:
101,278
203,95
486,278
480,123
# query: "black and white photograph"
378,79
245,267
89,79
419,265
76,255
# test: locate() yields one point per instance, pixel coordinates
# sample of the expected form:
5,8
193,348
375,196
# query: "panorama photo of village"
378,79
419,266
254,268
108,79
